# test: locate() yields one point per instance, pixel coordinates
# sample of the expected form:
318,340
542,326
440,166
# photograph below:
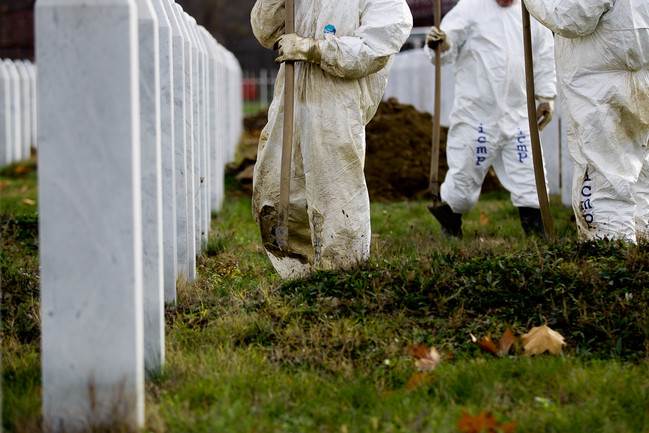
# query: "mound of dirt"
397,163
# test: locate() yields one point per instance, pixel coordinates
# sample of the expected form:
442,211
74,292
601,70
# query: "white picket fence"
17,110
412,82
139,110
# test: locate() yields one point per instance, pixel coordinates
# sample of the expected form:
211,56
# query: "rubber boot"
450,221
531,221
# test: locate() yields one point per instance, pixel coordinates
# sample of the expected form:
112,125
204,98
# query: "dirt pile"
397,163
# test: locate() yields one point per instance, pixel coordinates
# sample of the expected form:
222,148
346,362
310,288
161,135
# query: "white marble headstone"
25,108
6,150
180,145
168,150
90,215
149,47
190,56
16,115
198,132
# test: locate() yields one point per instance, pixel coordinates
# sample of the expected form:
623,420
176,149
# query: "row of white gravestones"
17,110
140,109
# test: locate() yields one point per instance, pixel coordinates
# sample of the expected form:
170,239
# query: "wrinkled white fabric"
489,121
329,205
602,52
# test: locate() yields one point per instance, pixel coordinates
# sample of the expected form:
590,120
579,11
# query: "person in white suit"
343,50
602,54
489,124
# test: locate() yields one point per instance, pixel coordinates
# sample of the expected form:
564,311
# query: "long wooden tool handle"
437,115
537,151
287,144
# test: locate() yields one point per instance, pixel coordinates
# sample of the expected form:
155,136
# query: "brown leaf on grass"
484,422
543,339
21,169
3,184
484,219
426,358
506,342
28,202
418,379
499,350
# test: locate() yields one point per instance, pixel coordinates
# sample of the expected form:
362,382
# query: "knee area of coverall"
602,211
460,192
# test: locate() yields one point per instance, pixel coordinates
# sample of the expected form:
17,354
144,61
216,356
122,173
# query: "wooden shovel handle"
287,142
437,115
537,151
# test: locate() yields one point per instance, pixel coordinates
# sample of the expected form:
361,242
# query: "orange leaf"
484,219
426,358
484,422
506,342
488,345
21,169
418,379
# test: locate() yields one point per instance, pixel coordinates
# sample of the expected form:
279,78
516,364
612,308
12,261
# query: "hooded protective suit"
336,97
603,66
489,121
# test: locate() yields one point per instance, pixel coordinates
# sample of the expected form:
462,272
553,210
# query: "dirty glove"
296,48
436,37
544,111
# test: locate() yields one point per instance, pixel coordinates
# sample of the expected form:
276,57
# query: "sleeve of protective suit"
456,24
268,19
545,74
569,18
384,27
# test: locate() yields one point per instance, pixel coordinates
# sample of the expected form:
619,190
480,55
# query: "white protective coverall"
602,51
489,120
329,224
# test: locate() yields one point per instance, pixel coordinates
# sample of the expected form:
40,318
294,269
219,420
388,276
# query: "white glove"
437,37
544,111
298,49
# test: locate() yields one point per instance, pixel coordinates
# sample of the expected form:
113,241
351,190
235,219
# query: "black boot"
450,221
531,221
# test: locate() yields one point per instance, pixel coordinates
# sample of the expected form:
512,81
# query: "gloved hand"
298,49
436,37
544,111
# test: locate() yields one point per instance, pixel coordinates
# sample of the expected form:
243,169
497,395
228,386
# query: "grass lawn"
247,353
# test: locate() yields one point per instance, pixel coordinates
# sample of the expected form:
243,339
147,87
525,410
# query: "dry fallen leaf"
29,202
21,169
484,219
543,339
501,349
418,379
426,359
506,342
483,423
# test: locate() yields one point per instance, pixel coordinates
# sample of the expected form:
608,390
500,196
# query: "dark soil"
397,165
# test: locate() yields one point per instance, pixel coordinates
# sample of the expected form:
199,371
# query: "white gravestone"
34,101
90,215
202,122
208,41
180,144
6,153
189,119
198,86
149,47
25,108
224,112
16,118
168,150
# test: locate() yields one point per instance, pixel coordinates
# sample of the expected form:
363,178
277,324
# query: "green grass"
248,353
